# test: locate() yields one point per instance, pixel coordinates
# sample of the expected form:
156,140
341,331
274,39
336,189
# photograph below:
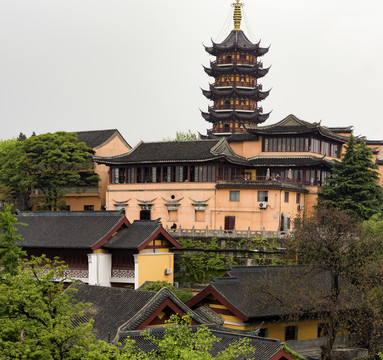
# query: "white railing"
221,233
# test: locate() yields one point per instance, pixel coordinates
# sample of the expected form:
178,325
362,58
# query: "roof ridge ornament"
237,15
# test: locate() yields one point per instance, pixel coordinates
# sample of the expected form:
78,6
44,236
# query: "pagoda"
235,91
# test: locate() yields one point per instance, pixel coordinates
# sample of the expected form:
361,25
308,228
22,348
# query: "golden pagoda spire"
237,15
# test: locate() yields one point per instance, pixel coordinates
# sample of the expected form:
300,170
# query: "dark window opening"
145,215
229,222
263,332
263,196
298,198
234,195
291,333
89,207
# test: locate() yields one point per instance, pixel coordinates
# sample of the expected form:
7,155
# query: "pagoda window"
284,144
266,145
227,79
130,175
325,148
192,174
227,127
315,146
121,175
279,144
228,59
334,150
227,104
242,79
288,143
115,175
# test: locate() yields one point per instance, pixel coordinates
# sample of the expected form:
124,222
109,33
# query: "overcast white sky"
136,65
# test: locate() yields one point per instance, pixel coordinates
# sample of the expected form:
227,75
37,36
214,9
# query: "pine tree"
354,184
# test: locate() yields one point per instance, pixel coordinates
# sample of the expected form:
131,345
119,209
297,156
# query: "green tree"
13,173
354,184
56,164
338,281
183,136
335,242
21,137
183,294
181,342
10,254
37,315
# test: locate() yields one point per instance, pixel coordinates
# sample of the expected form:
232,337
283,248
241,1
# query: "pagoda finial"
237,15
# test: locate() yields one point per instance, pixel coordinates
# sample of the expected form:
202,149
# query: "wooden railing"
221,233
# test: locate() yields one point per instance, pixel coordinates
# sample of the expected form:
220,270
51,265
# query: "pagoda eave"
255,116
253,94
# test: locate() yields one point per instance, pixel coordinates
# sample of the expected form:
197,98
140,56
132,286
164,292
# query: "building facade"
243,174
100,247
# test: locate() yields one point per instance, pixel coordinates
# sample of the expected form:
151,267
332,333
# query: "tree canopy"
52,164
354,184
183,295
183,136
334,242
41,320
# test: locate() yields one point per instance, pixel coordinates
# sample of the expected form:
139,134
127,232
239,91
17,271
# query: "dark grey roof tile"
66,230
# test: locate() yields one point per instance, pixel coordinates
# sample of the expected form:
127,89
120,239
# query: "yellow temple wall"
78,201
152,267
307,330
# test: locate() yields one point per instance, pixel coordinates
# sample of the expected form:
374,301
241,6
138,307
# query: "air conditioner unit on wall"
168,271
263,205
300,207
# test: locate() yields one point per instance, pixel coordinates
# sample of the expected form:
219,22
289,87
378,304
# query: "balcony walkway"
220,233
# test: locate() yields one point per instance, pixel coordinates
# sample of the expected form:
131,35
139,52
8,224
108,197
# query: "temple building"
242,175
235,92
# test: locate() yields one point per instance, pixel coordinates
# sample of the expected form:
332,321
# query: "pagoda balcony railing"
248,177
235,107
222,233
237,83
238,62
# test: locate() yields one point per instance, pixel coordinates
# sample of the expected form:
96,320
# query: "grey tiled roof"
267,184
237,38
134,236
112,307
175,151
264,349
66,230
240,289
119,309
293,126
286,160
94,138
135,321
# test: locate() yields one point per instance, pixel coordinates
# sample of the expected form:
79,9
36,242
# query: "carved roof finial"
237,15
